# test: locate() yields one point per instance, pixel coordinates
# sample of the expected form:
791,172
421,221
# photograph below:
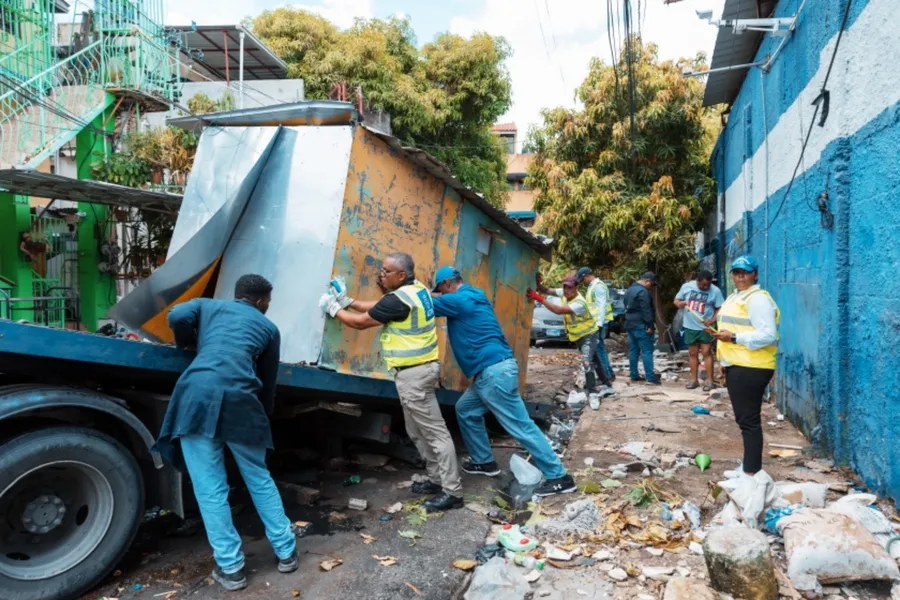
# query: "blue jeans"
205,460
496,389
602,354
640,342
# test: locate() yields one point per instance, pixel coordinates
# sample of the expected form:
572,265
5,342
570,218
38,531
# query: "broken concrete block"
739,563
297,494
667,461
657,573
618,574
357,504
688,589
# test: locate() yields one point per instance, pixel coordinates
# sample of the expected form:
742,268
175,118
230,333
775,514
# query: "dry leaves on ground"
367,539
327,565
465,564
385,561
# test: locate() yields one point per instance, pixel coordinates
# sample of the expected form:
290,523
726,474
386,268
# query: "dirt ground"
171,559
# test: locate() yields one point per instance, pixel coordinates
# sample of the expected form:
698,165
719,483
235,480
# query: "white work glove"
329,304
339,290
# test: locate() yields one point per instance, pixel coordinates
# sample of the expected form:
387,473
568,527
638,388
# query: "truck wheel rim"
56,515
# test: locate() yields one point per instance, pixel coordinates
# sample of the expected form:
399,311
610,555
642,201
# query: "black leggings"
746,387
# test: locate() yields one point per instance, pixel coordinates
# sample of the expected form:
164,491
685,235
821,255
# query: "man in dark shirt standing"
223,399
485,356
409,346
640,322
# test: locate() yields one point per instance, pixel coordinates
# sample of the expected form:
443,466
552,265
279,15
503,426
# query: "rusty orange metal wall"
391,204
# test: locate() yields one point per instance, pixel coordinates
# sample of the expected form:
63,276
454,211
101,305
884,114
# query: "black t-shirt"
389,308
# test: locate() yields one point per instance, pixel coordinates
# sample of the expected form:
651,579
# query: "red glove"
535,296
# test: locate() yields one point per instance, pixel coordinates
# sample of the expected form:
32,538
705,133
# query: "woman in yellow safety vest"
581,326
748,343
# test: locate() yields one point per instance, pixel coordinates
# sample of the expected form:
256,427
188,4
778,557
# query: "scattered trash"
619,475
594,401
533,576
700,410
739,563
353,480
702,461
327,565
393,508
529,562
464,564
780,417
137,587
825,546
642,450
576,399
589,461
385,518
774,515
555,553
357,504
385,561
693,513
524,472
512,538
610,483
489,551
581,516
367,539
496,580
751,495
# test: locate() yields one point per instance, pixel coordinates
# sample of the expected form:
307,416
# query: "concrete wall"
837,375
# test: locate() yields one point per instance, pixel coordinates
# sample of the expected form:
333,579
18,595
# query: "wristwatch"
734,338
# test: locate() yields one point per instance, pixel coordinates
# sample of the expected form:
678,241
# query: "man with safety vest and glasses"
597,296
581,326
409,345
748,343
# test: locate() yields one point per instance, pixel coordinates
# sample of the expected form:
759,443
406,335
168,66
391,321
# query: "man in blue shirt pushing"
484,355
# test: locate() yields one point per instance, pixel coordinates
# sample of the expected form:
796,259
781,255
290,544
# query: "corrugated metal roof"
45,185
328,112
730,50
259,61
504,128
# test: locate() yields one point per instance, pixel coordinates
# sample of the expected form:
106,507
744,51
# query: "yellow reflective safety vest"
413,341
734,316
579,326
591,298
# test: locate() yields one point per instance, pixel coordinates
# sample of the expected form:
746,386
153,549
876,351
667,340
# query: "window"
9,22
483,243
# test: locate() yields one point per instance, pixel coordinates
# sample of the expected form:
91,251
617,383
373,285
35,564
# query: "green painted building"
118,60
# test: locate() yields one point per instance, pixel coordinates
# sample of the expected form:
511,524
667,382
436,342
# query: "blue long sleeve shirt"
475,335
228,390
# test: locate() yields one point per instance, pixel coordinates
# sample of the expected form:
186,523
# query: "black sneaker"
230,581
289,564
489,469
654,382
637,379
442,502
562,485
425,487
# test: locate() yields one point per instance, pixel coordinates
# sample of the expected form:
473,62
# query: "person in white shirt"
597,295
748,345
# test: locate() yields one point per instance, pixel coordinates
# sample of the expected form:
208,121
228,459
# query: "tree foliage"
442,97
620,210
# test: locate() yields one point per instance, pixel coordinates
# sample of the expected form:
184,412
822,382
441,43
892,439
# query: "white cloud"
579,30
340,12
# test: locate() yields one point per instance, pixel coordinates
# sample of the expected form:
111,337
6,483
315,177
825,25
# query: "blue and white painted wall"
836,283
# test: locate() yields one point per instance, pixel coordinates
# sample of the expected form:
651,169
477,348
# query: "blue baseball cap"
583,272
443,274
745,263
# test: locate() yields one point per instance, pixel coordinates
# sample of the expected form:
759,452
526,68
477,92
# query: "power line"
537,12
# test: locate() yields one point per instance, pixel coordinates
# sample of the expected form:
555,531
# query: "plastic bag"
525,473
808,494
576,399
496,580
825,547
752,495
859,507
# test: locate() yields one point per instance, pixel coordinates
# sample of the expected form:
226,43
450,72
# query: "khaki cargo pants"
425,424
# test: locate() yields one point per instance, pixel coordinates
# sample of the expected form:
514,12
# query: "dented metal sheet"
189,271
289,232
316,112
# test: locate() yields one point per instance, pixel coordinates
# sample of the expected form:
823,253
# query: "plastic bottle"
512,538
526,560
352,480
701,410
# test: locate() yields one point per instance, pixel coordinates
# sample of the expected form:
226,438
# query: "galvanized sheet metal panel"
223,160
289,232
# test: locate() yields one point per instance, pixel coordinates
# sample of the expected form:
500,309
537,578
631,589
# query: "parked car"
547,326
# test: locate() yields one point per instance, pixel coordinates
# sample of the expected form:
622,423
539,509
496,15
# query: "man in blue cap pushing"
483,354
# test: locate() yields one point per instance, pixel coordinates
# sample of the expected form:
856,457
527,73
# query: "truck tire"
71,501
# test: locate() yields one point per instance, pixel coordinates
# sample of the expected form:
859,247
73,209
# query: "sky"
552,40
